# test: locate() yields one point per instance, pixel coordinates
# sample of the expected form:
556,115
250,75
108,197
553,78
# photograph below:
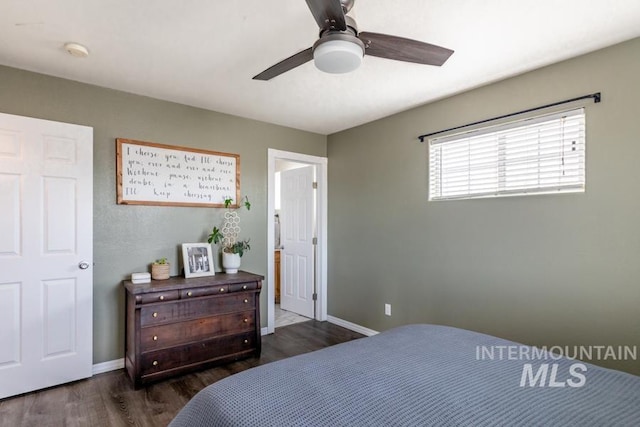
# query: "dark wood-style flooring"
109,399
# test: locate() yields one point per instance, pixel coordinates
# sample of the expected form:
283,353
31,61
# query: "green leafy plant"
238,247
228,201
227,237
161,261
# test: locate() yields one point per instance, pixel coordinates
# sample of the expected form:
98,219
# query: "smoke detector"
76,49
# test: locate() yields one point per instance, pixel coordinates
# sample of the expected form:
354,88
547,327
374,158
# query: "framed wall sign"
169,175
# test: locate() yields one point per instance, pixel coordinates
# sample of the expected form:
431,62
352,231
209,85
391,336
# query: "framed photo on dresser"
198,260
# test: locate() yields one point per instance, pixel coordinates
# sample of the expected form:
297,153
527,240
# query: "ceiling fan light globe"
337,56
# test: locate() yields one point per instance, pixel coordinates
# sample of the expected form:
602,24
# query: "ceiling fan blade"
328,14
401,49
288,64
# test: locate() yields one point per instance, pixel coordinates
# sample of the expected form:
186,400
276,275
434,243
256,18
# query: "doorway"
319,164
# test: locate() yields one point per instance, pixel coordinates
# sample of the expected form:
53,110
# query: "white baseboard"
264,331
111,365
351,326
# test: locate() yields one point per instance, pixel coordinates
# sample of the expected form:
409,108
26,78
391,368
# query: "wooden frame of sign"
167,175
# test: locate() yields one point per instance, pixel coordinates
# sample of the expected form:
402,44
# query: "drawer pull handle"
244,287
246,320
155,363
221,289
246,300
155,338
189,293
246,341
155,314
161,297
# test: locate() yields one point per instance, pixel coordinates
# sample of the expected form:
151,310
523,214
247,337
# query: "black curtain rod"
596,98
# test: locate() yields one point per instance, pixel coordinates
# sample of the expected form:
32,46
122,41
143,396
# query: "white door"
46,250
297,233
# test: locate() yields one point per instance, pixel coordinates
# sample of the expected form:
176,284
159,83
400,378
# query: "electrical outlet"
387,309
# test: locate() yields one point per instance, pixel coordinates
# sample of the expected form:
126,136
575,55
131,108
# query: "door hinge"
315,296
314,241
314,185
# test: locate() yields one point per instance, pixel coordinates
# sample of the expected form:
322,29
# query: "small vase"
230,262
159,271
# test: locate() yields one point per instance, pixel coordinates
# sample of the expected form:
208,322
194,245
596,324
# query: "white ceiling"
204,52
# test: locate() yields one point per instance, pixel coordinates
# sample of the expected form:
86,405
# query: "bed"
418,375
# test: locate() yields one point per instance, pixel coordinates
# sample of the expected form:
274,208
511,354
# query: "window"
544,154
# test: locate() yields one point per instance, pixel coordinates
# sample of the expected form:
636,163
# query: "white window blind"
544,154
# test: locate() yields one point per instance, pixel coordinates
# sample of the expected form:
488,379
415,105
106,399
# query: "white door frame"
321,270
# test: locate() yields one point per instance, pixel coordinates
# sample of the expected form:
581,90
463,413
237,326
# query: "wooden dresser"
180,325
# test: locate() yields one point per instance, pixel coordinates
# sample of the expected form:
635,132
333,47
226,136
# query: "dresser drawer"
162,360
157,297
154,314
243,287
201,292
169,335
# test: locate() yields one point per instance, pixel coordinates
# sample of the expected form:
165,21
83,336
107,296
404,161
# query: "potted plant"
160,269
231,246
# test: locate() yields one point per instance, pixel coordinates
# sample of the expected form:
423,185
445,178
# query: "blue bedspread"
416,375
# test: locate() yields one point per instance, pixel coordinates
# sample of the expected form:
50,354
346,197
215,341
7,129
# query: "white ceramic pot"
230,262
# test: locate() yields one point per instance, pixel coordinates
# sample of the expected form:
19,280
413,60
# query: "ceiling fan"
341,47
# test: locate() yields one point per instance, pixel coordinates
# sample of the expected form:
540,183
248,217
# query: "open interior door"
297,229
46,251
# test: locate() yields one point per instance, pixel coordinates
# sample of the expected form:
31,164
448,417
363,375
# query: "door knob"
83,265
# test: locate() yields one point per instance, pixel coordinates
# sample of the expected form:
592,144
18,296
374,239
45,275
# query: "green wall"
542,270
128,238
